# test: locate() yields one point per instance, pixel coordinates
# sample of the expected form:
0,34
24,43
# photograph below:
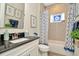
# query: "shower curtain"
69,45
44,28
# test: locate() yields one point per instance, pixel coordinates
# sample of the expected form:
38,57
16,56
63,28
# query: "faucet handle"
35,33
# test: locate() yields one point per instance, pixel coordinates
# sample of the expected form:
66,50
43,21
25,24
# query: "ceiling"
48,4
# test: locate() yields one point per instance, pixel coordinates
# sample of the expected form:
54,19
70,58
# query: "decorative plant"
8,25
75,34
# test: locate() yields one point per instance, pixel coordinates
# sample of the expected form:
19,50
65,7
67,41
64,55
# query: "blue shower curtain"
69,45
44,28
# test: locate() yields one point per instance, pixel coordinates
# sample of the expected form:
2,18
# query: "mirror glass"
12,15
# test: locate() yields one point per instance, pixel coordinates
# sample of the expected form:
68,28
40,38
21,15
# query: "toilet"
43,50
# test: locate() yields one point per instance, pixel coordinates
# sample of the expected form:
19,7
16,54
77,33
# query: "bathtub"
58,47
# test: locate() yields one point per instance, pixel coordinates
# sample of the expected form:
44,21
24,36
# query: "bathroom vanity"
19,45
28,49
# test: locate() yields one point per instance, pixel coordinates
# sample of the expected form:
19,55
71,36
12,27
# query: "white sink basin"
19,40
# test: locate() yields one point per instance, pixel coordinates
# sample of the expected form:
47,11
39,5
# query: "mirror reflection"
12,15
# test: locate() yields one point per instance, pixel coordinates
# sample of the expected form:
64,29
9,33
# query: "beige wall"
32,9
2,12
42,8
57,31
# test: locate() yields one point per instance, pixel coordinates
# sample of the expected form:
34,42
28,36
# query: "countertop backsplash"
1,39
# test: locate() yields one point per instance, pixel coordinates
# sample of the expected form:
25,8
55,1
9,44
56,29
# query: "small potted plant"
8,26
75,36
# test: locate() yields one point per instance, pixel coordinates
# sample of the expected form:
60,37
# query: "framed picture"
18,13
9,10
33,21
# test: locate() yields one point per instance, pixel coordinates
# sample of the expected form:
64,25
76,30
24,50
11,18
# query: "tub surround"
57,47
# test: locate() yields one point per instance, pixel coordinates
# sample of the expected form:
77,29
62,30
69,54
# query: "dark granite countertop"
14,45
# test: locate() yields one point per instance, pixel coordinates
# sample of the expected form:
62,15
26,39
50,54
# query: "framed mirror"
13,15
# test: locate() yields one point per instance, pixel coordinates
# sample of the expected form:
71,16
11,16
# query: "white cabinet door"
23,54
33,51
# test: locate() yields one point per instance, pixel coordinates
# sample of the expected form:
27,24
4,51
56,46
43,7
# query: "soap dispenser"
6,38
